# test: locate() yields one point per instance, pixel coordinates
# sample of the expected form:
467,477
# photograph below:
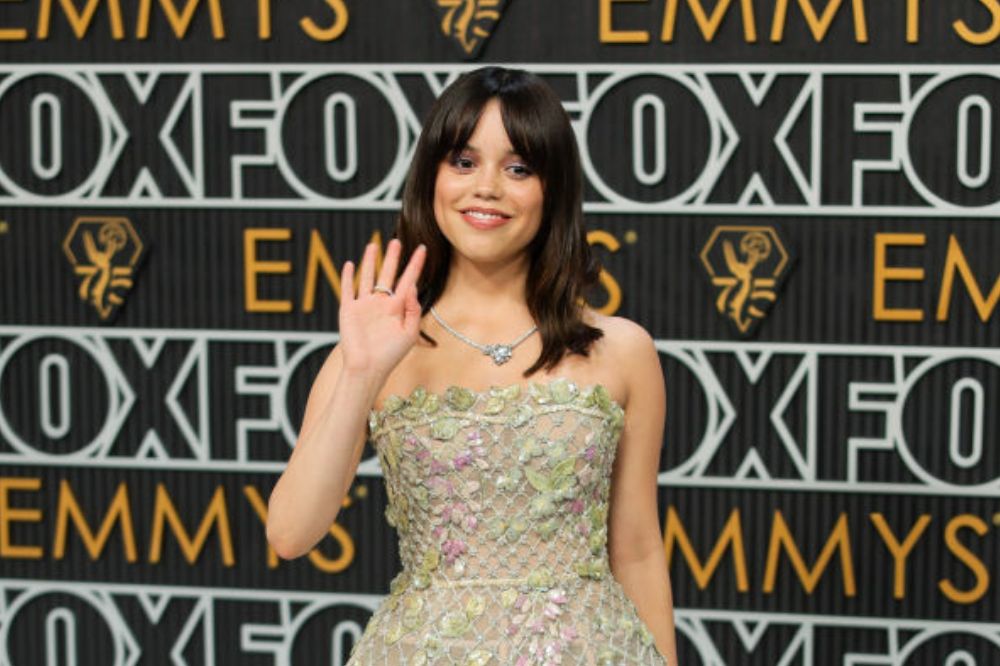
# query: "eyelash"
459,160
519,170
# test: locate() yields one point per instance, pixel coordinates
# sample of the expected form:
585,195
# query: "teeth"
483,216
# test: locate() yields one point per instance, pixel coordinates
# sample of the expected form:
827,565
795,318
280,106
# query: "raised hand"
378,328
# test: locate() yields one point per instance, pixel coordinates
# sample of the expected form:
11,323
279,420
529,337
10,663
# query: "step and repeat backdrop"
797,198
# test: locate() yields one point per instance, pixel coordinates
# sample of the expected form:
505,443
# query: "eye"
520,170
462,161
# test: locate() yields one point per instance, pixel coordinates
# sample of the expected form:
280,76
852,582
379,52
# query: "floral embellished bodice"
500,499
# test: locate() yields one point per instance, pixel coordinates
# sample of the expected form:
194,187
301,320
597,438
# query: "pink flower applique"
462,460
453,549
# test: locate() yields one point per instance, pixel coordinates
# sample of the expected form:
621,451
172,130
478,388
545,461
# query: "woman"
521,476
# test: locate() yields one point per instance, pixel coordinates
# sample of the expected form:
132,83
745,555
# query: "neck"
486,300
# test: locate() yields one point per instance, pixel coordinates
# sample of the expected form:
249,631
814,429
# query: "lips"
485,218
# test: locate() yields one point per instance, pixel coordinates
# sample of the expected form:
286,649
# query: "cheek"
440,196
531,199
446,189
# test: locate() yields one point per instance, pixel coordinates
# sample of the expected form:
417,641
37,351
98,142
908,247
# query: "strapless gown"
500,500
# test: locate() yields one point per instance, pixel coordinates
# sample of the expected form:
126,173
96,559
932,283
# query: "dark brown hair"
561,265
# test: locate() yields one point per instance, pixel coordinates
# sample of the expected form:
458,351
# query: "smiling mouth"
485,215
485,219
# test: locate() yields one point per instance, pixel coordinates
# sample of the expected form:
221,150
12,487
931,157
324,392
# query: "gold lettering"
326,565
782,539
709,26
609,35
13,34
165,511
119,510
318,259
819,25
899,552
252,267
336,28
955,261
968,558
607,280
80,22
732,534
180,23
10,515
912,21
986,36
264,19
885,273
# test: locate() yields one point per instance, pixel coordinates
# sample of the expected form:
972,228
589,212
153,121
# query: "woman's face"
487,201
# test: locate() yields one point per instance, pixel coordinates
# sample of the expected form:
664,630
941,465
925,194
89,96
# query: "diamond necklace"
498,352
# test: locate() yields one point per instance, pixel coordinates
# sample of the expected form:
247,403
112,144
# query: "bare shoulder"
630,352
624,340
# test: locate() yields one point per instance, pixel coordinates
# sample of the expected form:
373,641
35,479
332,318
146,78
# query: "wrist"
366,380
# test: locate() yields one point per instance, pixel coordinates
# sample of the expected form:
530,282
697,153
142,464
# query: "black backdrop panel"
797,199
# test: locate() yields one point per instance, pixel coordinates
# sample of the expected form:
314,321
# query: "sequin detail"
500,498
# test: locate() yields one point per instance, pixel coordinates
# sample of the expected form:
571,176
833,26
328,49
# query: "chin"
486,253
483,256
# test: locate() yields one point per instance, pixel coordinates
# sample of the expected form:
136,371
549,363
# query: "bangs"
527,129
458,127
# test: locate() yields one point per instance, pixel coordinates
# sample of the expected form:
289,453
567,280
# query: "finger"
387,276
367,277
416,264
411,313
347,282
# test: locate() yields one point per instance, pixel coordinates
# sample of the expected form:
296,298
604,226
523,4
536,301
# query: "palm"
377,329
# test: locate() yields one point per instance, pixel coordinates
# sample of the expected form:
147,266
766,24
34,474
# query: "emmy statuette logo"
104,252
469,23
746,264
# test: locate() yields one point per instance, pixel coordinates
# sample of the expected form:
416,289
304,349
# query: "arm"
376,332
309,493
635,540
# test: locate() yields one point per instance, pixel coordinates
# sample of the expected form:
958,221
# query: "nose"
488,183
